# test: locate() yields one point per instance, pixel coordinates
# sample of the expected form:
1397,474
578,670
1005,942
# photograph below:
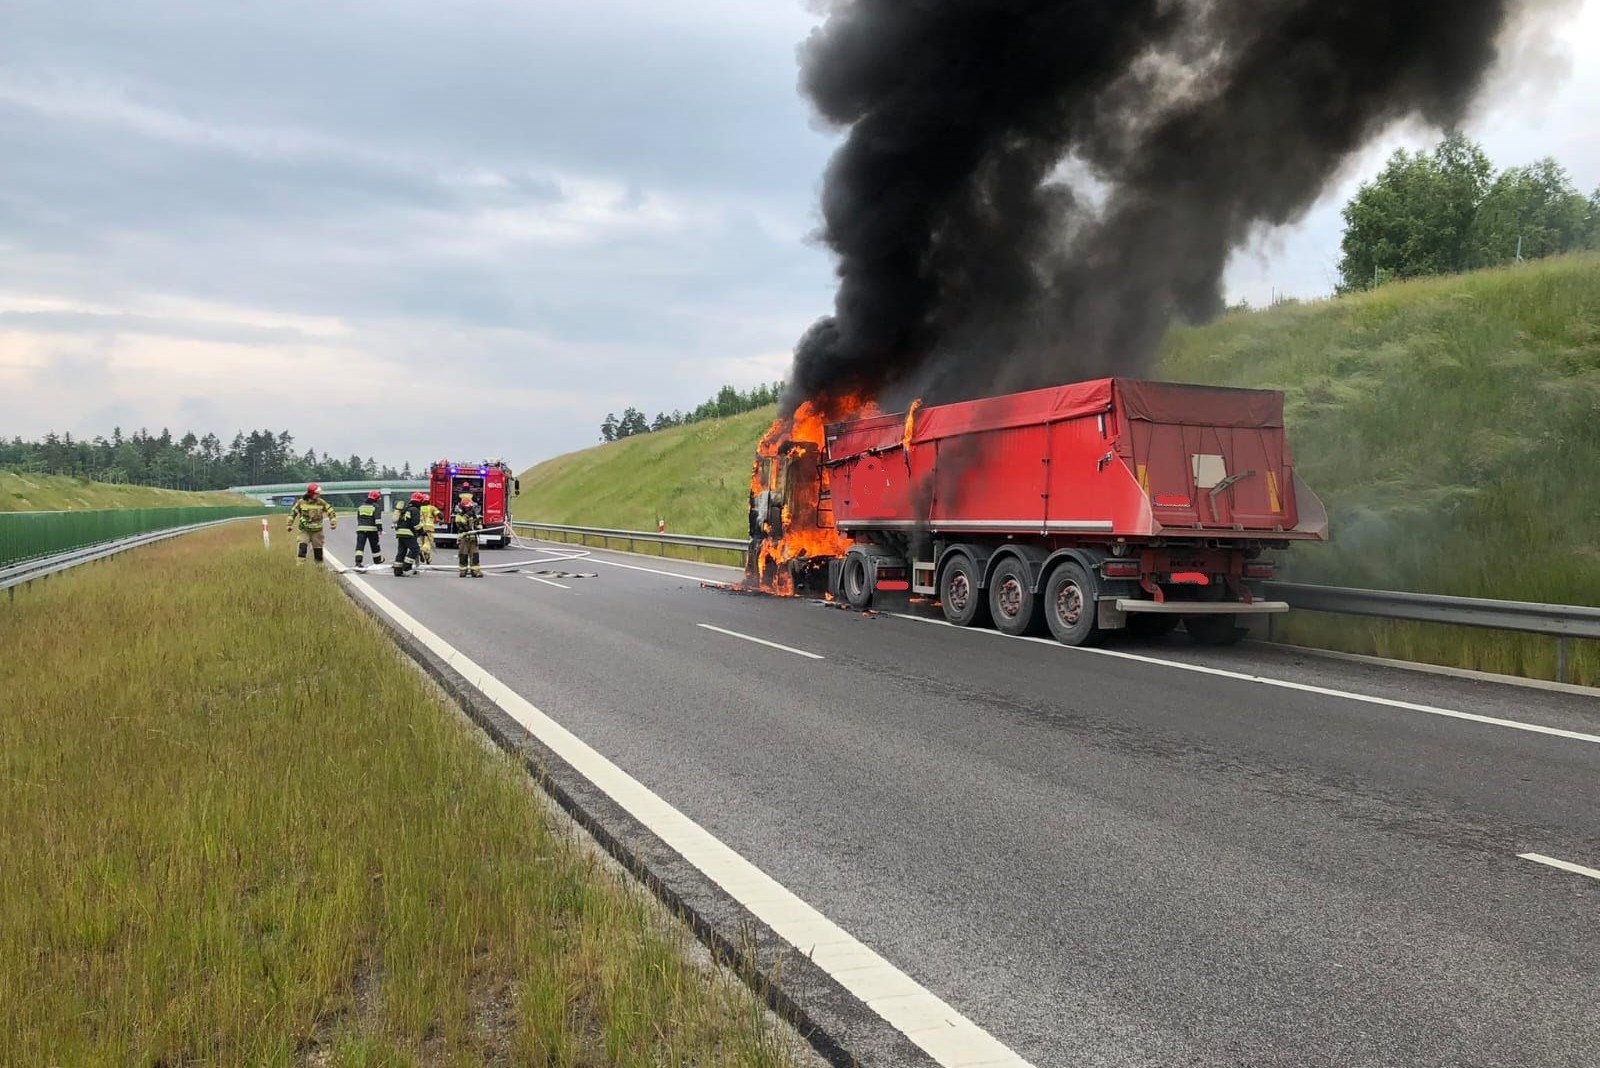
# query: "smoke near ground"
1030,190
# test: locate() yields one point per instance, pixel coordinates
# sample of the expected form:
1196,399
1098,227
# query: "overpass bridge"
337,492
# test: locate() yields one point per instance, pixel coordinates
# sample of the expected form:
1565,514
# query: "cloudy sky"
404,229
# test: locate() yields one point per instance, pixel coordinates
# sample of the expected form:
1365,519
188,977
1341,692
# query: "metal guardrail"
1560,621
1555,620
42,567
634,538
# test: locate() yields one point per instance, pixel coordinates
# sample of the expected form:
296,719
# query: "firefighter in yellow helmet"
307,516
425,528
466,522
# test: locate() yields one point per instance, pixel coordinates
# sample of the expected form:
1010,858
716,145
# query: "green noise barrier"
25,535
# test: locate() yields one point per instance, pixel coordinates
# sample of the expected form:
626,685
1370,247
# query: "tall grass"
237,829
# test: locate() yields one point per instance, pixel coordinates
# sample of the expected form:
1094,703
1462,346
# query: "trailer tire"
1213,630
1069,606
856,581
1013,606
959,596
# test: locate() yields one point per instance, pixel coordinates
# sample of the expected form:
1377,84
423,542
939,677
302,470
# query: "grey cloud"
76,322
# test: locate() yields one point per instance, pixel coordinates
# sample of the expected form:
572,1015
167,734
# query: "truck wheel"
1013,605
1213,630
857,581
959,596
1069,606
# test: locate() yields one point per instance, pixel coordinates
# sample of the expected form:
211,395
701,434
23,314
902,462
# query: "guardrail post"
1561,659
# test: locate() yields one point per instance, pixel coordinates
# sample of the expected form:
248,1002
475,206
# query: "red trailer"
1097,506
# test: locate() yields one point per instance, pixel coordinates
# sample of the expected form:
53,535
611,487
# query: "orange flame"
807,533
911,425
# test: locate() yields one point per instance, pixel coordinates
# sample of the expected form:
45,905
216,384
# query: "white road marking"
1282,684
927,1021
1576,869
763,641
650,570
547,582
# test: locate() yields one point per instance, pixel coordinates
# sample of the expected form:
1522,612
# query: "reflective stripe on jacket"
368,519
309,513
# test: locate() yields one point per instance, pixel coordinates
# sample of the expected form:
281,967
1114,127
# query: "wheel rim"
1069,604
1009,598
960,592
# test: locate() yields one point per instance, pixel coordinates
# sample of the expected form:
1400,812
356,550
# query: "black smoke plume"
1030,190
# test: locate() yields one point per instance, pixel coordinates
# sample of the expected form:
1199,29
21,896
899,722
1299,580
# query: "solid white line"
763,641
938,1029
1576,869
1282,684
547,582
651,570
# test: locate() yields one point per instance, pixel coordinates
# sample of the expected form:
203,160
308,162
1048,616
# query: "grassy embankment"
1452,425
236,829
695,477
21,492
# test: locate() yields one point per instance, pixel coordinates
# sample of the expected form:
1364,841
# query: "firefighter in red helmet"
407,517
307,516
369,524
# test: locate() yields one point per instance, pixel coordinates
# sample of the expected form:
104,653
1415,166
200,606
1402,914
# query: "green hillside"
696,477
1452,426
21,492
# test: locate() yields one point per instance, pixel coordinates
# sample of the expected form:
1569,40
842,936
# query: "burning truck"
1099,506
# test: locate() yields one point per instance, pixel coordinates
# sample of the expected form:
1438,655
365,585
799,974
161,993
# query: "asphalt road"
1100,858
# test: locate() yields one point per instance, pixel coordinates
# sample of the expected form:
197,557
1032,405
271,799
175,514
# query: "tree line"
728,401
187,463
1448,210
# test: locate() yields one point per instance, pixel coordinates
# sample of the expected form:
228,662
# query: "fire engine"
492,486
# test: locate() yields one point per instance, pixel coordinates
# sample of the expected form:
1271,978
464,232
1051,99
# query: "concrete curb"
829,1018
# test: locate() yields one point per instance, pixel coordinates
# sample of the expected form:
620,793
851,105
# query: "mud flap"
1110,617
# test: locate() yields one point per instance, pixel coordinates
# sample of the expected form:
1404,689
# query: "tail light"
1124,569
1259,570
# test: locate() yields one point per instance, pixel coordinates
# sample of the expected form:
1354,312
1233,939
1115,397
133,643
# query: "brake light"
1122,569
1259,570
1191,578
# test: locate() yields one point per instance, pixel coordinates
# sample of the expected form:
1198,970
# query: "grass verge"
20,492
237,828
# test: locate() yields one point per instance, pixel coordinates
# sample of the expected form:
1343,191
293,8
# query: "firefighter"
466,523
406,518
369,524
307,516
425,529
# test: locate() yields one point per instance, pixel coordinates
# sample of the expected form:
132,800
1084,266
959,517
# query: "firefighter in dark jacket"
466,523
369,524
406,518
